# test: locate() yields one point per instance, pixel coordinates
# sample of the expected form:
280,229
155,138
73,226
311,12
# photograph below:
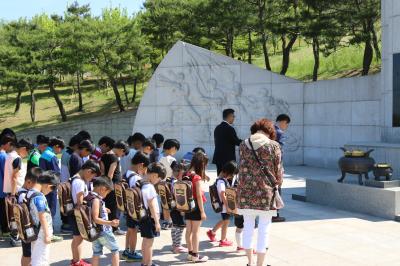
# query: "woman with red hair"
260,175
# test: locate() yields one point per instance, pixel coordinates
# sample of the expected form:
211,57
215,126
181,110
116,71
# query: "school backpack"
10,201
134,202
184,195
88,229
27,230
164,190
216,203
64,192
230,193
120,196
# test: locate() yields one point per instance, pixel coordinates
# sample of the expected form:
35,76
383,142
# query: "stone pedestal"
382,184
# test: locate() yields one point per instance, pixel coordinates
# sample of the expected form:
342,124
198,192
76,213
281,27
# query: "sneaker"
225,243
80,263
166,226
15,242
66,228
55,238
189,257
211,236
131,256
180,249
240,249
199,259
119,232
278,219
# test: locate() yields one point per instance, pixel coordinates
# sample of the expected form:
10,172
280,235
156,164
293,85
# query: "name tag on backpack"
13,225
30,232
69,207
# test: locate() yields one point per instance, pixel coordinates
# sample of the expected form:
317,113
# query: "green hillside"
345,62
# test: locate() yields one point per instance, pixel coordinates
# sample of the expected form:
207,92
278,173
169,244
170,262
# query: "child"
194,219
31,178
150,226
79,190
148,147
228,171
178,220
34,156
135,143
101,188
73,146
140,162
85,148
187,158
159,140
105,144
41,216
171,147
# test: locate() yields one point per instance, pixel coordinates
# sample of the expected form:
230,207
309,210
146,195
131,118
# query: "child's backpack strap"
28,202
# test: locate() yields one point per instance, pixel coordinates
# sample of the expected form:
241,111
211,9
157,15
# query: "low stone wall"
115,125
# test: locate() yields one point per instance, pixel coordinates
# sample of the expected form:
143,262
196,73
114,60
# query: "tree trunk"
78,84
265,51
286,52
125,91
315,46
18,100
33,105
376,44
368,54
58,101
250,48
114,86
134,91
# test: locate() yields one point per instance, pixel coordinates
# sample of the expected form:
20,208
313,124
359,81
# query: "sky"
14,9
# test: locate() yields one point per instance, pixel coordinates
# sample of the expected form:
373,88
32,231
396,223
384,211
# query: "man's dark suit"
225,140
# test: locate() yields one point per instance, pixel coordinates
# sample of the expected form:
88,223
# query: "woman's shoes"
198,259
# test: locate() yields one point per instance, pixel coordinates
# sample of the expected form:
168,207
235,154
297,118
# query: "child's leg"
188,235
147,250
26,254
132,239
179,234
195,235
25,261
95,260
217,226
174,231
115,259
238,236
76,247
127,239
224,229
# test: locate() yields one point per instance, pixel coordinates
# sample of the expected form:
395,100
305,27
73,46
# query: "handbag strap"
270,181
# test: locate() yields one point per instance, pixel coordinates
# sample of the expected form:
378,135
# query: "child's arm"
111,171
97,219
152,205
14,181
45,227
223,197
102,168
200,201
79,198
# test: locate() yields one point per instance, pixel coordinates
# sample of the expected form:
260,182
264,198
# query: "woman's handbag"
277,201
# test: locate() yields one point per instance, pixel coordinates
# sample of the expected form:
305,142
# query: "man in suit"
225,140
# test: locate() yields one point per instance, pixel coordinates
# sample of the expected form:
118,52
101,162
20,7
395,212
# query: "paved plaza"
312,235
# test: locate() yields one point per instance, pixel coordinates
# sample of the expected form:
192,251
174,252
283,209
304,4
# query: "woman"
256,185
194,219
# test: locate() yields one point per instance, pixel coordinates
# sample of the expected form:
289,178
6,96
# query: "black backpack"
216,203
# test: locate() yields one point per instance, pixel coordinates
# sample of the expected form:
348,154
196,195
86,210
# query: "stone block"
396,32
146,116
254,75
365,113
326,136
337,113
365,133
174,57
367,88
382,184
291,93
277,78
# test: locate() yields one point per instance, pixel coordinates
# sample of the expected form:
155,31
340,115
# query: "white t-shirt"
133,179
149,193
22,192
167,161
125,161
221,187
78,185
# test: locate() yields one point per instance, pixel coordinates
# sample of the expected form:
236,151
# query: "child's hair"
7,139
149,143
86,144
75,140
103,181
197,149
109,142
230,168
25,143
33,174
49,177
92,165
158,138
10,132
84,134
283,117
178,167
170,143
41,139
57,141
157,168
122,145
139,158
136,137
198,164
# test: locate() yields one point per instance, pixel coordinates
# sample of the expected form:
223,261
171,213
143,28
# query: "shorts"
148,228
177,219
239,221
73,224
26,250
130,223
106,239
195,215
225,216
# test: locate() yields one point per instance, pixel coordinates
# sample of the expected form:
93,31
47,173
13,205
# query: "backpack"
64,192
88,229
27,230
230,194
10,201
184,195
164,190
134,202
216,203
120,194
